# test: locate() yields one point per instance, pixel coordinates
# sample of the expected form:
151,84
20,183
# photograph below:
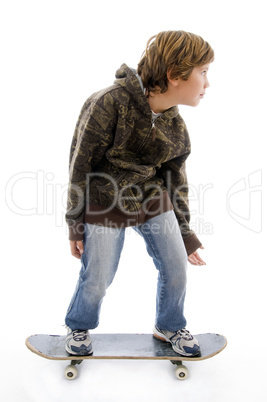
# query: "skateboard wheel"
71,372
181,372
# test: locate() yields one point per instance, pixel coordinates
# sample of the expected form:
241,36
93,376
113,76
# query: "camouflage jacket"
124,167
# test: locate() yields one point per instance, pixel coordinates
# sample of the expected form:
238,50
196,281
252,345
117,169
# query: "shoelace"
79,335
182,333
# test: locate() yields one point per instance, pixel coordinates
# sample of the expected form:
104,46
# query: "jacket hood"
126,78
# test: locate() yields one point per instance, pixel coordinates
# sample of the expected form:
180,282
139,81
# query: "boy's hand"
76,248
195,259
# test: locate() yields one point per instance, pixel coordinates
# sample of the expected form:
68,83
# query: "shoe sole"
82,352
162,338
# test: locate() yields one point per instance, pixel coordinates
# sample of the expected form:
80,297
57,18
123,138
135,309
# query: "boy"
127,168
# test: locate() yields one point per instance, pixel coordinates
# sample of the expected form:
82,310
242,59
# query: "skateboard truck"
71,370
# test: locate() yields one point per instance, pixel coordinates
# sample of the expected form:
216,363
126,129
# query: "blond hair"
175,53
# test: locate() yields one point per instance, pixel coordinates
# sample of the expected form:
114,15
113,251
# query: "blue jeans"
102,250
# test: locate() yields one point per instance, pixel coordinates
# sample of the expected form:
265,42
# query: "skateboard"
124,346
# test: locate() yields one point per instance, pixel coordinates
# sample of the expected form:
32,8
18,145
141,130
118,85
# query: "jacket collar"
126,78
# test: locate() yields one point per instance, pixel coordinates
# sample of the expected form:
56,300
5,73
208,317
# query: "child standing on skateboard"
127,168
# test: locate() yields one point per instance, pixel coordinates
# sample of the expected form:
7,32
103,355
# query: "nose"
207,84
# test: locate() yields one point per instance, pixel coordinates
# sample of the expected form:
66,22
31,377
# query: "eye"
204,72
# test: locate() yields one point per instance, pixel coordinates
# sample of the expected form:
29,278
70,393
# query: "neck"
161,102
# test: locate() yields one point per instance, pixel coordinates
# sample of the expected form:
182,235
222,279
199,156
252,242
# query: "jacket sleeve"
174,175
92,137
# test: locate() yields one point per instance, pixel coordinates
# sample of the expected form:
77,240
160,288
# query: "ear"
172,81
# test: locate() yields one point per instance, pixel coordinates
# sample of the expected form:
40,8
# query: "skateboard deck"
124,346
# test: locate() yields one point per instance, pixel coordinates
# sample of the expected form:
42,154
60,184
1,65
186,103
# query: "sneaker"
182,341
78,342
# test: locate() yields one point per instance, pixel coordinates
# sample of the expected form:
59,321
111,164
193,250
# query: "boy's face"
190,92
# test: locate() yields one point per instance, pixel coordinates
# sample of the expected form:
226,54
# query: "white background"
54,54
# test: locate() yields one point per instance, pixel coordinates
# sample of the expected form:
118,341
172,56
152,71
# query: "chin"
196,103
193,103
